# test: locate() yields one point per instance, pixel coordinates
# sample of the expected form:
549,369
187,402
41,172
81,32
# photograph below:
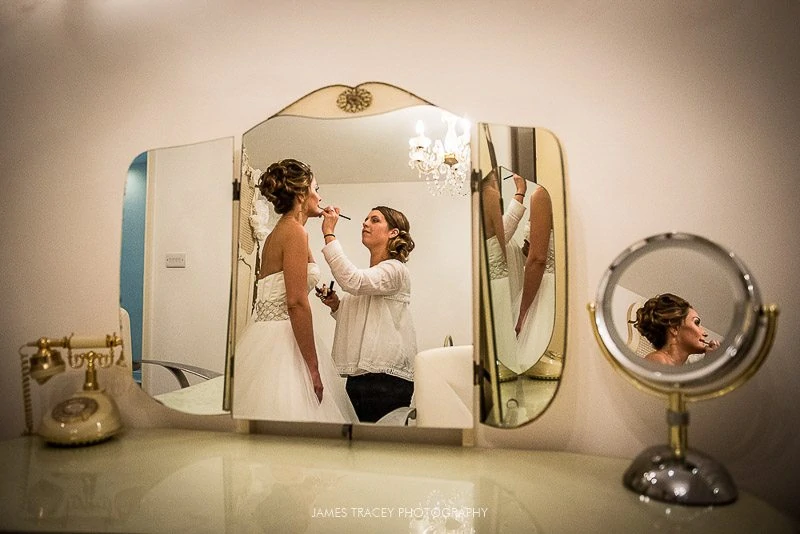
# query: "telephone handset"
86,417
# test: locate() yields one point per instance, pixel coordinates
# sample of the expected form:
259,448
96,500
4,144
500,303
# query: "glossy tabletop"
196,481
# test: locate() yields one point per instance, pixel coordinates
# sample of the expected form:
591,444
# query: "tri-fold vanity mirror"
193,231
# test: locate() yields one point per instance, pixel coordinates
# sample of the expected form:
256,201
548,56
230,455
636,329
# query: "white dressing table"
158,480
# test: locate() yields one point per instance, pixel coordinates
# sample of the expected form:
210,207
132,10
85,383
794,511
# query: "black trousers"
375,394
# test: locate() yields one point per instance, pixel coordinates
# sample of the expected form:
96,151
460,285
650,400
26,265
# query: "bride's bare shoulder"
657,357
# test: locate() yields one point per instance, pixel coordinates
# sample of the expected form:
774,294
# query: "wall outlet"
176,260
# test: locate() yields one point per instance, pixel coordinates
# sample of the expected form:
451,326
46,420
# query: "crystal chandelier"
444,164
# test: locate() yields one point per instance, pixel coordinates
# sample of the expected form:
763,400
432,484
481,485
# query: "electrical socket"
176,260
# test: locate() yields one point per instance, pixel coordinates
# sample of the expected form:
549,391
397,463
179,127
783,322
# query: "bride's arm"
493,216
295,273
541,223
516,209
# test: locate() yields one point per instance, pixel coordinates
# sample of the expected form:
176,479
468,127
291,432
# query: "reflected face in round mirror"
678,315
677,310
673,329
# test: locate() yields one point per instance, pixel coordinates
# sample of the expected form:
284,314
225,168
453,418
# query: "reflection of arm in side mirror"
537,252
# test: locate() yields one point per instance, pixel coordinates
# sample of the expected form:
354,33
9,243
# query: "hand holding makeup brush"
330,216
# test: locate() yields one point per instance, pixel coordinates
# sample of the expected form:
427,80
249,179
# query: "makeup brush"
342,215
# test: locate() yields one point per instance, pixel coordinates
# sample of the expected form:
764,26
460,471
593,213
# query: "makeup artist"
375,342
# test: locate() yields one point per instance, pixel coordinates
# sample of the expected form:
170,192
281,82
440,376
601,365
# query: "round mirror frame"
674,472
697,379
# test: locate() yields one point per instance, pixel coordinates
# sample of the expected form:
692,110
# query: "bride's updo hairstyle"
658,315
283,182
401,245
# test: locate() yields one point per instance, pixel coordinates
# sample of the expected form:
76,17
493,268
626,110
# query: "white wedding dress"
271,379
504,342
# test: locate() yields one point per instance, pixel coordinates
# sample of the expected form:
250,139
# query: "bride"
278,373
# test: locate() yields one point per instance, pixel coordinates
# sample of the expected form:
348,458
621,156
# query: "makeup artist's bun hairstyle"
401,245
658,315
283,182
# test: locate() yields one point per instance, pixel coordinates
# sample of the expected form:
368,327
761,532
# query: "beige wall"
673,116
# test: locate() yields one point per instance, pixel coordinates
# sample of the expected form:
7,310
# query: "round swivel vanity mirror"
680,317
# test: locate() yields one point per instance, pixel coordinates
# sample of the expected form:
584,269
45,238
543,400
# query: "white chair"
443,387
636,341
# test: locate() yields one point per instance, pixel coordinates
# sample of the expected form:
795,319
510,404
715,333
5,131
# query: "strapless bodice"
270,302
550,264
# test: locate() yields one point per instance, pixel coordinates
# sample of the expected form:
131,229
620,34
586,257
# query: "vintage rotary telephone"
86,417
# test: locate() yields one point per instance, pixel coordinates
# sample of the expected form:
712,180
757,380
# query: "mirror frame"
488,374
738,341
674,472
153,181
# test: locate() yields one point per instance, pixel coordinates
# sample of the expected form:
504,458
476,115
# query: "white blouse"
374,329
512,217
515,258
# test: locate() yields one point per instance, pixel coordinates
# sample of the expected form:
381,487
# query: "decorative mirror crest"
360,161
354,99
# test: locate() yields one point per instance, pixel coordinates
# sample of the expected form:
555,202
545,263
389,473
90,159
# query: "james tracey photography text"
403,512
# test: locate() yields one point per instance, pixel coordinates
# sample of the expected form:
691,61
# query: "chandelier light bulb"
450,138
443,163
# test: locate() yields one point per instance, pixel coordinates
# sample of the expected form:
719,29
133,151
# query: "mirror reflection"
384,295
672,306
678,298
175,272
673,329
523,238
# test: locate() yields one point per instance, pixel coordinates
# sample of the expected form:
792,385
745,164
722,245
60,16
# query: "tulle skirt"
503,323
536,331
271,380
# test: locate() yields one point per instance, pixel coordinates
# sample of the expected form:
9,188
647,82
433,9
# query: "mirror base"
85,418
695,479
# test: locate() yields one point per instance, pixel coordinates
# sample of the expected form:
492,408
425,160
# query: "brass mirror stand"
675,473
